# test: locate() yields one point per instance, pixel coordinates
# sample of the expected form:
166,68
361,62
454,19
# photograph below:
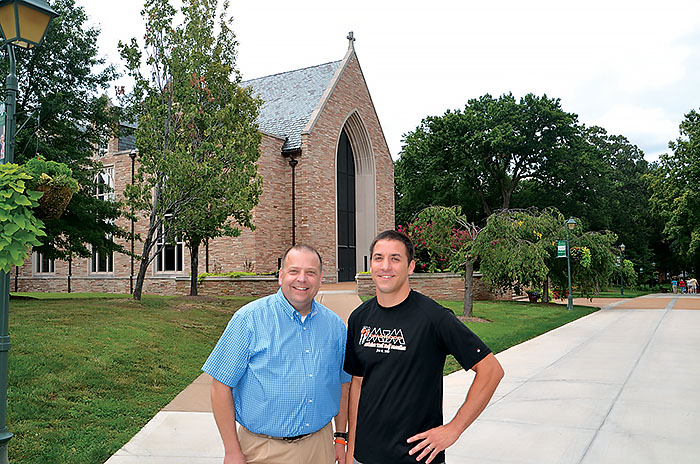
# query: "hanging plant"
19,226
56,182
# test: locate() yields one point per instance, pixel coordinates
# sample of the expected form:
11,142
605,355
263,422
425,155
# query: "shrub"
20,228
50,173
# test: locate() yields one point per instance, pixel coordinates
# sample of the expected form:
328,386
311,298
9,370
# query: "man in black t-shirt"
396,350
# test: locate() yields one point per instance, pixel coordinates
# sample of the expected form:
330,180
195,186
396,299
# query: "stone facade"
345,105
442,286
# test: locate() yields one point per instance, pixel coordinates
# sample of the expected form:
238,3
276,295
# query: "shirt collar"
290,311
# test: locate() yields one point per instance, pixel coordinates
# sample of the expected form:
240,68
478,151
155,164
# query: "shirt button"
311,401
307,425
311,375
307,351
304,328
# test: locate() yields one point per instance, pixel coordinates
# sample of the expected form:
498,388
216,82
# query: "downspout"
293,162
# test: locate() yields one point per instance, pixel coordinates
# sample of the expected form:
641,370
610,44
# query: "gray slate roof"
290,98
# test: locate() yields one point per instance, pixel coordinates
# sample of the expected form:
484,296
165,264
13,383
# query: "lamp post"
23,23
570,224
622,270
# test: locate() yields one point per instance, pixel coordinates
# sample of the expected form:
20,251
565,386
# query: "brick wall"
316,214
258,250
437,286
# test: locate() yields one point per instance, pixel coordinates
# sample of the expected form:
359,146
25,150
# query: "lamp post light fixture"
23,24
570,224
622,270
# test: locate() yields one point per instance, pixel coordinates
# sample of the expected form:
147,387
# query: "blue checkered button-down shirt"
285,373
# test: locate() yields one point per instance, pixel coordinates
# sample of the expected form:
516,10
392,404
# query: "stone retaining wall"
256,286
443,286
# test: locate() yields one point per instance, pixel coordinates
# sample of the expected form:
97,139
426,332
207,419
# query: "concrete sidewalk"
617,386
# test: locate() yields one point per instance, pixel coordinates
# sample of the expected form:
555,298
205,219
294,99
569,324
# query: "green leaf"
10,229
21,199
34,195
20,221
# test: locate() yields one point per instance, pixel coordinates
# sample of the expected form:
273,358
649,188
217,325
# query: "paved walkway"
618,386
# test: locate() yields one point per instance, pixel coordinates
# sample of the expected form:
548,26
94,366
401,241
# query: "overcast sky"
632,67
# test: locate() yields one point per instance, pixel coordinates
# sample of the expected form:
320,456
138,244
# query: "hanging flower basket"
55,181
54,201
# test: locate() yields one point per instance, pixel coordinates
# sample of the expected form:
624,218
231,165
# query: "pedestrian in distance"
681,286
674,285
278,371
396,350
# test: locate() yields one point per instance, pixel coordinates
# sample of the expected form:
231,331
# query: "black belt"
287,439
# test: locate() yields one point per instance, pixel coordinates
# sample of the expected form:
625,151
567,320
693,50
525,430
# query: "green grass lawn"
88,371
86,374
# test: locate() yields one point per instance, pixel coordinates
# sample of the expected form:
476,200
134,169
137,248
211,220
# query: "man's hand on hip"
433,441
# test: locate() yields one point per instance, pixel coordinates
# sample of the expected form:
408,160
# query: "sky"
631,67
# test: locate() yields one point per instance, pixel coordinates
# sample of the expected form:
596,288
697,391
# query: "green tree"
602,182
66,116
197,137
517,251
482,152
443,239
675,186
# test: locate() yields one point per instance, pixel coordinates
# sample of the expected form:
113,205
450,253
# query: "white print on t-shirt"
382,339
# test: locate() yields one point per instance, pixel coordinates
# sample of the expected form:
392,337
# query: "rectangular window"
170,253
42,264
104,190
102,262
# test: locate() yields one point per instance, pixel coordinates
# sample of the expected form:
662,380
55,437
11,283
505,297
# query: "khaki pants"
316,448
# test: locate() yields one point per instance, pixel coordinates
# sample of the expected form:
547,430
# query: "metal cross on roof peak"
351,39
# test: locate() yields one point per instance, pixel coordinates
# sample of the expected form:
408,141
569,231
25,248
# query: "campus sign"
561,249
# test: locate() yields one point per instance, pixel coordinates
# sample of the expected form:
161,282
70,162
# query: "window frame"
40,260
164,248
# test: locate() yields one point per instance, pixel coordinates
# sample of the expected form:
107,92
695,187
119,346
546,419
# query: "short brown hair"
399,237
302,247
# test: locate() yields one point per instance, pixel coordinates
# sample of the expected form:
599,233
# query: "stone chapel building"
327,181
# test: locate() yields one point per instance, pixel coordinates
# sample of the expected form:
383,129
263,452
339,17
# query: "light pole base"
5,436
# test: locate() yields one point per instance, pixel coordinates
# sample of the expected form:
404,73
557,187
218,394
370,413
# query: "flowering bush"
442,239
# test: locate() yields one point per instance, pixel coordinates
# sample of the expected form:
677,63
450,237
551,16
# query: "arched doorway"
356,199
347,266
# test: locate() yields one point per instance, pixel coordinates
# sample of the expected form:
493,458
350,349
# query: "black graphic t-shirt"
400,353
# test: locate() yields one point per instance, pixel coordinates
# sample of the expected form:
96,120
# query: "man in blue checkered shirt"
278,371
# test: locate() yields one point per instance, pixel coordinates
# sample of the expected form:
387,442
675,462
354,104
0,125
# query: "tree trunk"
545,290
194,267
468,288
140,277
144,261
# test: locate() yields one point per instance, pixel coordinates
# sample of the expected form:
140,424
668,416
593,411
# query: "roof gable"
290,98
